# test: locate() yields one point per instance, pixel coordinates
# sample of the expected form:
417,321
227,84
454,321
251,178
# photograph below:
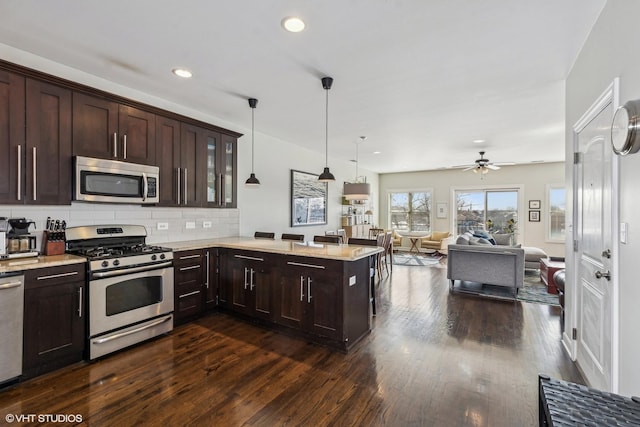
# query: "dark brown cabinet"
247,279
54,318
221,185
188,271
36,117
105,129
211,278
310,296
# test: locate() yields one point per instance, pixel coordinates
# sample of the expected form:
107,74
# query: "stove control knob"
162,256
153,257
105,264
116,262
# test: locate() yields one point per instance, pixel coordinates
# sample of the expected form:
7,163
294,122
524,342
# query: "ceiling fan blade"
492,167
468,168
504,163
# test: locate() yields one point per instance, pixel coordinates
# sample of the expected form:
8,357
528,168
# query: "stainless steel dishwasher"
11,320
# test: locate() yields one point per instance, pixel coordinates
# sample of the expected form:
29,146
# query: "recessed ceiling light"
479,141
182,72
293,24
377,152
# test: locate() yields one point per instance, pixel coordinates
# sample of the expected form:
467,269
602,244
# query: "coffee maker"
19,243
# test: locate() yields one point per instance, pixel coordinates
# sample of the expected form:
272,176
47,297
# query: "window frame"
547,212
430,213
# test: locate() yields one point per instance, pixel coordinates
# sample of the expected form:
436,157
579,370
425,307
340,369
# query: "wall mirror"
308,199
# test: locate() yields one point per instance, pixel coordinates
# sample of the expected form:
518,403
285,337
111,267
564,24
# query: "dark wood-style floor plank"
432,359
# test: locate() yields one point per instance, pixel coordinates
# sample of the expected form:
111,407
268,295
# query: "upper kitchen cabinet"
222,161
12,137
108,130
35,118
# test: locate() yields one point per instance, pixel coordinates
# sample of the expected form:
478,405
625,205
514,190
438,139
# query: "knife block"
53,243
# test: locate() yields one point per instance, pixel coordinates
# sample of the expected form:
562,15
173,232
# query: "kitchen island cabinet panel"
54,318
188,271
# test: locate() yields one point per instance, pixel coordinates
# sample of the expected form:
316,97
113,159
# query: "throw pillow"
462,239
479,241
503,239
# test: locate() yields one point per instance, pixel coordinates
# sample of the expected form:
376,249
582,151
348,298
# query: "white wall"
533,179
264,208
611,51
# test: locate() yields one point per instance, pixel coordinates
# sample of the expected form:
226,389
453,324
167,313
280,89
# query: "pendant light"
252,181
357,190
326,175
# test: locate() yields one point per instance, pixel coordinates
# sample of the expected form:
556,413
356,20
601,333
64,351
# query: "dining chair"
373,232
264,235
388,250
327,239
343,235
372,271
289,236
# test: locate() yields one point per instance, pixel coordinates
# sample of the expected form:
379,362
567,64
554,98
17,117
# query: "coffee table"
547,269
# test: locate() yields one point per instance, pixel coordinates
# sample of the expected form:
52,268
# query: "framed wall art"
534,216
534,204
308,199
441,210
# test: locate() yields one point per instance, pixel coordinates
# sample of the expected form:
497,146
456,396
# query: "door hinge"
574,334
575,246
217,300
576,158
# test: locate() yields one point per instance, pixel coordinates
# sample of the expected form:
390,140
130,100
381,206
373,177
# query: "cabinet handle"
80,302
35,175
223,200
19,172
193,267
55,276
301,288
10,285
252,258
301,264
246,270
115,144
207,282
124,146
185,186
309,289
178,183
190,256
189,294
252,277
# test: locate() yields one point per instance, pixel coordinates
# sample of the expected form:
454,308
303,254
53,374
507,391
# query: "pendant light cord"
326,130
252,135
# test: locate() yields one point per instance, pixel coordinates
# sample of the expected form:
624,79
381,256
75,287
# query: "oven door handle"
131,332
101,275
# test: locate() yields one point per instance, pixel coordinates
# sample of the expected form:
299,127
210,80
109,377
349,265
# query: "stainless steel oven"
130,289
129,307
99,180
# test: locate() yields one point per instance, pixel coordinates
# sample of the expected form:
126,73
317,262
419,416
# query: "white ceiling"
420,78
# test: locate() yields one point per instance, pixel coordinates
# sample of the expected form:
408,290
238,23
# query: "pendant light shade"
357,190
252,181
326,175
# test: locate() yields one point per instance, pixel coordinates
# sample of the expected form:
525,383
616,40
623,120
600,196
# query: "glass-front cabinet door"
221,170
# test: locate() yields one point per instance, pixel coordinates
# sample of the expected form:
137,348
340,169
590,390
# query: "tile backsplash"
162,224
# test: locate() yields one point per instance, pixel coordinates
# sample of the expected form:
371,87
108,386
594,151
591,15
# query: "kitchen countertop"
282,247
21,264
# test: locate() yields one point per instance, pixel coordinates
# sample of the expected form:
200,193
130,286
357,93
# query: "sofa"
437,241
532,255
475,259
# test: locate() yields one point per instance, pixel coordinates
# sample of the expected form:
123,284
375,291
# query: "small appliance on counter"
19,243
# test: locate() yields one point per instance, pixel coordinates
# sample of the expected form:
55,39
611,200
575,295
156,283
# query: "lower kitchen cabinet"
188,269
310,297
54,318
246,281
211,278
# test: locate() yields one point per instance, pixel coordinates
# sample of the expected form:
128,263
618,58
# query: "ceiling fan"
482,165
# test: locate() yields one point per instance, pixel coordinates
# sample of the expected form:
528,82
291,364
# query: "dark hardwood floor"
432,359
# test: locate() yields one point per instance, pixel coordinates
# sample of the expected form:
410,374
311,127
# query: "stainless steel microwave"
111,181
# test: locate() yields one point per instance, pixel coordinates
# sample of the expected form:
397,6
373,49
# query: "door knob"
606,253
600,275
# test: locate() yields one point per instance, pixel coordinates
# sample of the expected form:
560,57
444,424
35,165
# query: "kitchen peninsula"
318,291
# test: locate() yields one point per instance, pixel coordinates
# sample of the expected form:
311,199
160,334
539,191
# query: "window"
410,211
495,211
556,213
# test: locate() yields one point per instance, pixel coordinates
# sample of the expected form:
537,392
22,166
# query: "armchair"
437,241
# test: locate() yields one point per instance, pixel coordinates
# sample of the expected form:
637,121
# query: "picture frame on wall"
534,216
441,210
534,204
308,199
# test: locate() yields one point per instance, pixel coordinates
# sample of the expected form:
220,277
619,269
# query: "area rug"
534,290
420,260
